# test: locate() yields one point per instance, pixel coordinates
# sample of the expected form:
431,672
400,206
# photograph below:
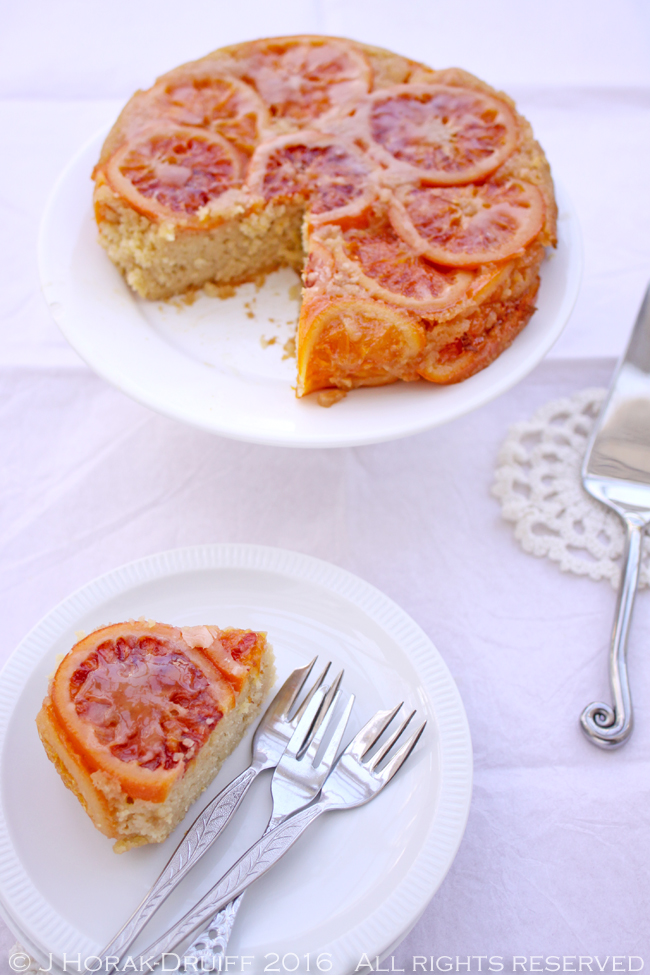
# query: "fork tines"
370,734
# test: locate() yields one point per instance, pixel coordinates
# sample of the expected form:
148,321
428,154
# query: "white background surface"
555,858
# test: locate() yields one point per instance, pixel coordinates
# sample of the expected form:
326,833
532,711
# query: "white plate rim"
395,917
508,369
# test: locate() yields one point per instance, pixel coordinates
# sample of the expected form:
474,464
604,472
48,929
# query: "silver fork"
296,781
271,738
355,779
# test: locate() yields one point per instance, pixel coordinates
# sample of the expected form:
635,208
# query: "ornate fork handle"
606,726
201,835
214,940
252,865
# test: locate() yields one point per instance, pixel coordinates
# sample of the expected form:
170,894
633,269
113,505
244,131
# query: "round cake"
414,202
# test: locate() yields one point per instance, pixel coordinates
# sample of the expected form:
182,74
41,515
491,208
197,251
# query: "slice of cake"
140,716
415,202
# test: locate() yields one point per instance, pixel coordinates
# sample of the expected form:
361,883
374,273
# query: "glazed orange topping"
302,81
357,337
389,261
178,171
218,104
464,225
443,130
328,176
238,643
146,702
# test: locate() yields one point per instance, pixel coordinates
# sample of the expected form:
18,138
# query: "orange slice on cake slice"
172,172
441,134
233,652
140,716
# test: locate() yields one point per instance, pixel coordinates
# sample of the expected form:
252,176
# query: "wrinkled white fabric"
554,859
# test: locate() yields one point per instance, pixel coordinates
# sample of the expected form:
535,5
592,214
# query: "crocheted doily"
538,484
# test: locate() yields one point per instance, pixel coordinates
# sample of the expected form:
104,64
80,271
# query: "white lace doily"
538,484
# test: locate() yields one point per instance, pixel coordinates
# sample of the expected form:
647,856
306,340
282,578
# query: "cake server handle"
201,835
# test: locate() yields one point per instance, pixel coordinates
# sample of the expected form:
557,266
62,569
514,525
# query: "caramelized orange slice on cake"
302,79
350,342
141,715
452,358
465,226
173,172
378,260
439,133
220,104
233,652
332,178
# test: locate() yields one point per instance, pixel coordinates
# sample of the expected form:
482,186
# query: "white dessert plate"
223,365
354,884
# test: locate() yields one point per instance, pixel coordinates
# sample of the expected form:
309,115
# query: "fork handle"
199,838
252,865
212,943
214,940
606,726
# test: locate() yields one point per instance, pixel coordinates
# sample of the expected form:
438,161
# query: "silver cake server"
616,471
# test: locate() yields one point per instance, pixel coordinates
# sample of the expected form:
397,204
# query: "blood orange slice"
350,342
333,178
304,78
439,133
465,226
384,265
173,171
219,104
137,703
233,652
454,356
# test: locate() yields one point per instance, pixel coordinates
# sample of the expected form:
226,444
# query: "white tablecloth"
555,857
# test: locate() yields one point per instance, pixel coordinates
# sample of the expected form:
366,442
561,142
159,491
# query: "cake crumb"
264,342
290,348
294,292
182,301
79,634
328,397
219,290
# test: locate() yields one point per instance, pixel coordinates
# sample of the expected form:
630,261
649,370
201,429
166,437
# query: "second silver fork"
271,736
355,779
296,781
